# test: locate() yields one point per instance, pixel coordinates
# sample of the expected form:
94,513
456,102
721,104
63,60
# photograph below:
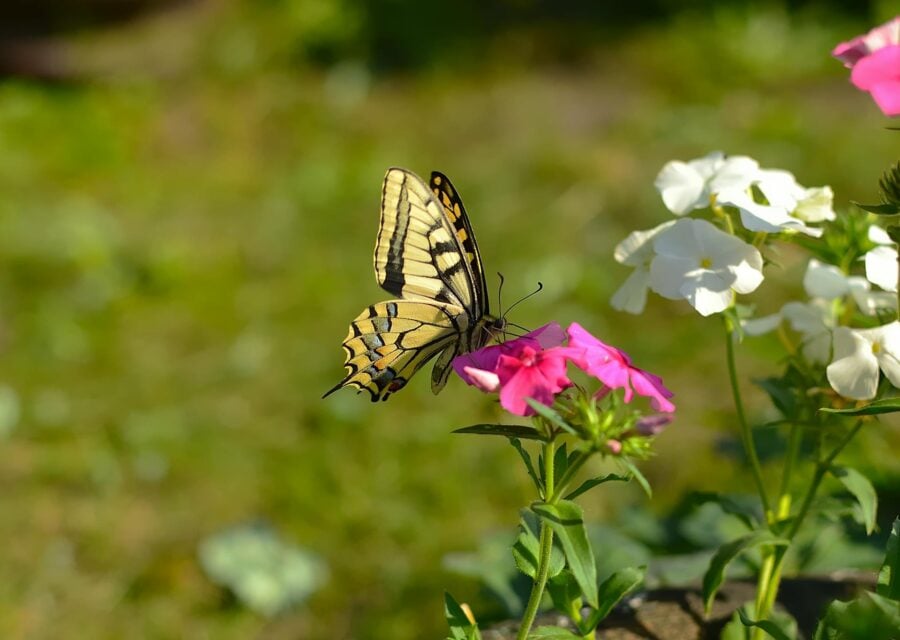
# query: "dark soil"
677,614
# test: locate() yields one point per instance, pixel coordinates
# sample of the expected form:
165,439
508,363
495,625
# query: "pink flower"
614,369
875,62
528,367
486,359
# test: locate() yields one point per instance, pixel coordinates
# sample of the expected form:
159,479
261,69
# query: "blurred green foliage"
186,230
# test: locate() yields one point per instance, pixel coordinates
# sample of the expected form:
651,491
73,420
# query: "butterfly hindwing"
426,255
389,341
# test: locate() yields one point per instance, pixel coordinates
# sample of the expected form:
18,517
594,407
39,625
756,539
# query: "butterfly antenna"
521,300
500,293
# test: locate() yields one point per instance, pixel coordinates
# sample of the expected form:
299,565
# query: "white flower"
816,205
703,265
685,186
828,282
637,251
762,217
858,354
878,235
788,204
814,320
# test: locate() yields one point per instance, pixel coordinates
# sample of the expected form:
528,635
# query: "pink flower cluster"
874,60
534,366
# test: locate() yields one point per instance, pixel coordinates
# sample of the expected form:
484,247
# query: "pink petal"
487,381
851,52
876,68
887,96
651,386
652,425
537,375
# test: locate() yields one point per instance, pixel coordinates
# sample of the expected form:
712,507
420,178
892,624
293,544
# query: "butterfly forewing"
417,253
448,197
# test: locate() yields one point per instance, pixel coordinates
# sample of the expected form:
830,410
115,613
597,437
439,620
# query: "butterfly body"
426,255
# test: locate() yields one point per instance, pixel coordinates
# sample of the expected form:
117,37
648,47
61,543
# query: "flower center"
876,347
528,357
705,263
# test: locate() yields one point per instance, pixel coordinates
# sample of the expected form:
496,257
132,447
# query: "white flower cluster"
694,260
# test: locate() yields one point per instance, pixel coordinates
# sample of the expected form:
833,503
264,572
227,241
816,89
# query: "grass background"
186,227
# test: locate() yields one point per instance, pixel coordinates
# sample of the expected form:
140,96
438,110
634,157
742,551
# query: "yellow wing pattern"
425,254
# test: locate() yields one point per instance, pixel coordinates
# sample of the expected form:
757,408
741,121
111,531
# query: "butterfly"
426,256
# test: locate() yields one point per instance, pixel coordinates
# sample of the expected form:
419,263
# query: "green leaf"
509,430
714,576
612,590
884,209
526,458
461,628
729,505
635,472
889,576
782,395
857,484
593,482
560,462
526,550
552,633
550,416
567,521
867,617
769,626
885,405
565,593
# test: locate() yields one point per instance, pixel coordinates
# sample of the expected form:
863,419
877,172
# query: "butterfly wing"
426,255
389,341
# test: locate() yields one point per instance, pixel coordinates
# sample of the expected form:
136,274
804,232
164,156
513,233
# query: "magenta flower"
614,369
532,366
874,60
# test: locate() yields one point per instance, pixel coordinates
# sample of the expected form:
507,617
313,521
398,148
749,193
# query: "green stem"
773,578
746,435
546,548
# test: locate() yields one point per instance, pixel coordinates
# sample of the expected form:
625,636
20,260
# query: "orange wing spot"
378,364
386,349
462,235
456,210
436,179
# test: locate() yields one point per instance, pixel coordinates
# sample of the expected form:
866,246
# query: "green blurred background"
189,197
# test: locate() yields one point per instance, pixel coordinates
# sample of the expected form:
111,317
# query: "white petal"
824,281
809,318
868,301
680,240
780,188
881,267
632,295
637,248
817,347
879,235
854,371
737,172
884,343
682,188
708,164
747,275
668,273
761,325
816,205
709,293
